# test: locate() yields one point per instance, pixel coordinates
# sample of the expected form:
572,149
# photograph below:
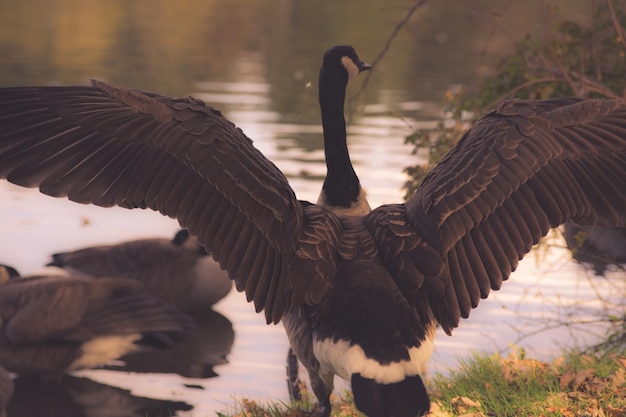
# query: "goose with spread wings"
359,291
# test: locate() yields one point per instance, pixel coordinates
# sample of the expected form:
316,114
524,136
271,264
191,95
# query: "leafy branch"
569,60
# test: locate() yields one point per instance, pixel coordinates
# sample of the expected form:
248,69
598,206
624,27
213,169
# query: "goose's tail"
406,398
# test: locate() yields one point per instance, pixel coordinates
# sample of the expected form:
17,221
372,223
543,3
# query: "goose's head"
342,62
183,239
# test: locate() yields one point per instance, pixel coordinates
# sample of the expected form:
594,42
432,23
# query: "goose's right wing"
108,146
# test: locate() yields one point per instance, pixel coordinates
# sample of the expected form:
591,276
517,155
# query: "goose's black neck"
341,187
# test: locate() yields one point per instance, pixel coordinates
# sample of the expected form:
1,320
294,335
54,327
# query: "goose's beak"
364,67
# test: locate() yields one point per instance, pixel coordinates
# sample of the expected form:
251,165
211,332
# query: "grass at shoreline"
575,384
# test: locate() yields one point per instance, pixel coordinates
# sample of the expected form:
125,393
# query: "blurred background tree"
568,60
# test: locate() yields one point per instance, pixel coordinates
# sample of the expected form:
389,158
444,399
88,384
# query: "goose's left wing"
522,169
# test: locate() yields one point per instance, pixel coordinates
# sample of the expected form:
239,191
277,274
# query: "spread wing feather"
113,146
522,169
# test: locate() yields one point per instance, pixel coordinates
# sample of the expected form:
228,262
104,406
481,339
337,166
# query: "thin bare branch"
621,33
565,73
596,86
396,30
416,5
519,87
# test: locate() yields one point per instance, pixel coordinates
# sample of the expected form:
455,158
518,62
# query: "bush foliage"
570,60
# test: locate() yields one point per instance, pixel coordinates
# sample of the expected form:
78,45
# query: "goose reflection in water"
203,347
82,397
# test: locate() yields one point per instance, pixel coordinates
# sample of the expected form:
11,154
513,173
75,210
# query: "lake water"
255,60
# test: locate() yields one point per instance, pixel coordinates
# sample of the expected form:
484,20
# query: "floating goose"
53,324
178,271
359,292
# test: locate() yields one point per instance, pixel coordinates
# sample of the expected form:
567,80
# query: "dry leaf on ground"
463,404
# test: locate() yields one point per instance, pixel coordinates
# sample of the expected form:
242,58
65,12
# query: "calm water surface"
258,63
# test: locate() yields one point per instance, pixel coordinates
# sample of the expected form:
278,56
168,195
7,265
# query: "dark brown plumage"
177,271
523,168
53,324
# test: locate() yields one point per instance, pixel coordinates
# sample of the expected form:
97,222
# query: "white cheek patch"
350,66
344,360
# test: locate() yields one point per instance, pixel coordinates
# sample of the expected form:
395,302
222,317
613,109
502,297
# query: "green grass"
575,384
343,406
501,387
572,385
